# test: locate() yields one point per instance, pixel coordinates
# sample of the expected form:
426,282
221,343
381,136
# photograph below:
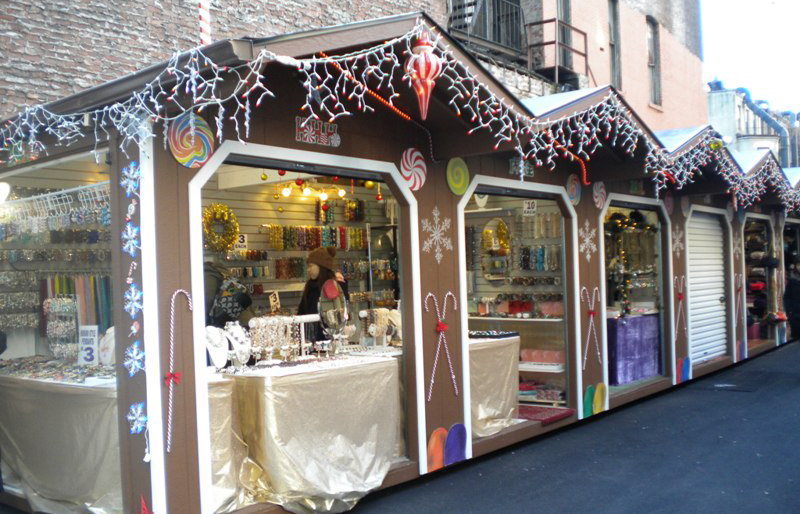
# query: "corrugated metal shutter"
708,322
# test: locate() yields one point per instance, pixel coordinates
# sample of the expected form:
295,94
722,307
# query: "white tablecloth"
494,380
322,434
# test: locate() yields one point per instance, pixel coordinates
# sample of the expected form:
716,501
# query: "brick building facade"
54,49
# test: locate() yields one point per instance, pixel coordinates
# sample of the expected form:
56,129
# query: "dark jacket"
309,304
791,298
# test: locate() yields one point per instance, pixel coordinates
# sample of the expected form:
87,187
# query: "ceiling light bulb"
306,191
342,192
323,196
286,191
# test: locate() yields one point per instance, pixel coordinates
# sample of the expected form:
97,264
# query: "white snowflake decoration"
133,301
437,240
588,242
677,242
131,175
137,418
134,359
130,239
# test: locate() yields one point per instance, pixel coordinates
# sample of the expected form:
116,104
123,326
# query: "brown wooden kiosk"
513,266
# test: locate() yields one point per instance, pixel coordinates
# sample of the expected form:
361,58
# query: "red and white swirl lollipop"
413,168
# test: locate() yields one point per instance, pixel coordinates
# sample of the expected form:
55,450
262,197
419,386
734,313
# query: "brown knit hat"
323,257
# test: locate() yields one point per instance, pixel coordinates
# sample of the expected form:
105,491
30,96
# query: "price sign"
241,242
87,345
529,208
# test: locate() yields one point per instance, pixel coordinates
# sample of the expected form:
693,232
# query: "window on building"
613,43
654,61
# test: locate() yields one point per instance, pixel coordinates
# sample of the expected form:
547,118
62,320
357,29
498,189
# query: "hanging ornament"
191,140
299,182
574,189
280,209
335,178
276,196
325,207
379,196
413,168
457,176
423,67
263,176
281,172
369,184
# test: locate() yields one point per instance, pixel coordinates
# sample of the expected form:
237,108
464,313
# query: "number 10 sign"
87,345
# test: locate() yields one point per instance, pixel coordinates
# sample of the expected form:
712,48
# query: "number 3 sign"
87,346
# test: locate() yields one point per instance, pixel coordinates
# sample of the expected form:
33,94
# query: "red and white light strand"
338,85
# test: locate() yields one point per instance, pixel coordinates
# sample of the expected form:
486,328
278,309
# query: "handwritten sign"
241,242
87,345
529,207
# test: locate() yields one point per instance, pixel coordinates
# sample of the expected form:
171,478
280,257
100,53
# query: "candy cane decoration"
680,283
204,7
441,328
172,378
592,332
737,302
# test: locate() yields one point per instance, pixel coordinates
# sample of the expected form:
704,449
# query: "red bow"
172,377
441,327
591,313
680,297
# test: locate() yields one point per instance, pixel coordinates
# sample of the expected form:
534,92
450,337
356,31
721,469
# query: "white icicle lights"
341,85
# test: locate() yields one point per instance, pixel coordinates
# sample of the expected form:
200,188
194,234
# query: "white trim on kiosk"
226,150
730,284
558,191
668,287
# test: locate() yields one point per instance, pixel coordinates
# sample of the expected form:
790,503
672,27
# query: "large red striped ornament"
423,68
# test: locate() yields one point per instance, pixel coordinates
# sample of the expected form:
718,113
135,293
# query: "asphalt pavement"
726,443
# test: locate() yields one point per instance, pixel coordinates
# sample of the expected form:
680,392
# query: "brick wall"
50,49
683,95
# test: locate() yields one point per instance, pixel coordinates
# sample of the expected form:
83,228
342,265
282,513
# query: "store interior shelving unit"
509,292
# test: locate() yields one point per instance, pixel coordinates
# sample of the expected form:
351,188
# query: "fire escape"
498,30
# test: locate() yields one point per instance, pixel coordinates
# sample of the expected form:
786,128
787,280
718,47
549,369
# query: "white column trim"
668,288
560,192
150,333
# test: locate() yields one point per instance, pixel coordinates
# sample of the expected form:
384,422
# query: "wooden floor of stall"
757,346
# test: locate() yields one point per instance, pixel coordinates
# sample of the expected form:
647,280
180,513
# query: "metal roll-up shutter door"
708,321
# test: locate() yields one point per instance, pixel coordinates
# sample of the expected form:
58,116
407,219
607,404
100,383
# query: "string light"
286,191
336,84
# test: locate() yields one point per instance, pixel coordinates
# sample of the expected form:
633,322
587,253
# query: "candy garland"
591,332
193,82
441,328
172,377
680,283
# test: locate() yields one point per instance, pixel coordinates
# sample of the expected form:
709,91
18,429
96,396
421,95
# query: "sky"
754,44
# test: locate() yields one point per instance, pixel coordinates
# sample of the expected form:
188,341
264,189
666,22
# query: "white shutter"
708,322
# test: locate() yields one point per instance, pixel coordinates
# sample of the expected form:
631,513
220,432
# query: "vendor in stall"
321,268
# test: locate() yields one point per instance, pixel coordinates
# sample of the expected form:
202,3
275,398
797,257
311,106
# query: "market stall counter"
59,437
59,440
323,432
